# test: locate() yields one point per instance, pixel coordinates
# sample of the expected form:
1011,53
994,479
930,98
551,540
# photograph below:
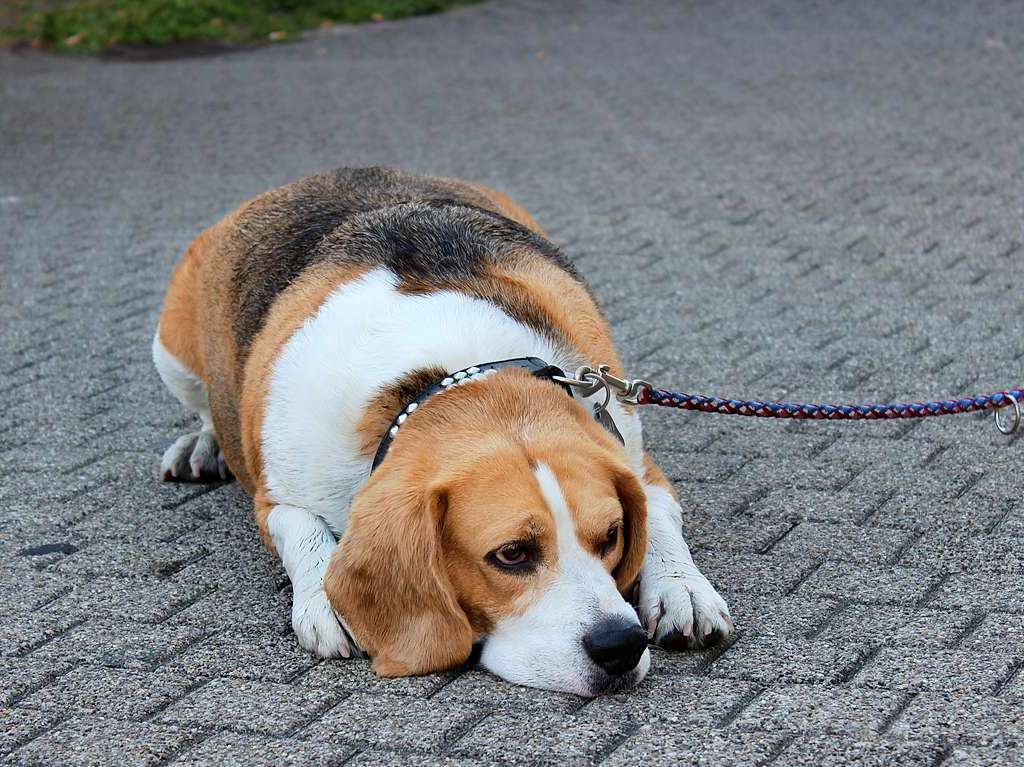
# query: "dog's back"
249,281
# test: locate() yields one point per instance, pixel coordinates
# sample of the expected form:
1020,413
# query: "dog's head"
504,515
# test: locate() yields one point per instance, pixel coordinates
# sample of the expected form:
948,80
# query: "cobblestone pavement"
800,200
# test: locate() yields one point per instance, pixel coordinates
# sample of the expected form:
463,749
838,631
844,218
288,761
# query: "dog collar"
537,367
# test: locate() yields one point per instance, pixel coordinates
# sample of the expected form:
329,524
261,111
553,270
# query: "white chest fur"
366,335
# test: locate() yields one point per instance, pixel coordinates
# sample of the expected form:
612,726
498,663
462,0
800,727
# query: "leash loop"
1014,423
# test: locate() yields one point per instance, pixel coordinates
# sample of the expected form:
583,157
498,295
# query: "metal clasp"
589,381
1014,422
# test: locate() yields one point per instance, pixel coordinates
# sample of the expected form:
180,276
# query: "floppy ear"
634,509
388,580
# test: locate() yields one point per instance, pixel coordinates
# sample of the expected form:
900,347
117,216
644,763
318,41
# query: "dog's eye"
514,556
611,540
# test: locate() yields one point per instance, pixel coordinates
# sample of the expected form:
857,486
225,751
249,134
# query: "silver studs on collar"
449,382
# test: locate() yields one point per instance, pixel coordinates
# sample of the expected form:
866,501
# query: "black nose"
616,647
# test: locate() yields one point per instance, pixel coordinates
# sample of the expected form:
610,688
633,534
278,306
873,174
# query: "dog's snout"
616,646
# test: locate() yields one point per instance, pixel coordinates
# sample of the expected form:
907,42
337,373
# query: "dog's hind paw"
683,612
195,457
318,629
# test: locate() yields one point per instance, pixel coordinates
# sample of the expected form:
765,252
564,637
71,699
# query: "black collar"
537,367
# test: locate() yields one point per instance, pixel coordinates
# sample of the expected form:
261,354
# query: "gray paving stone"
962,718
812,474
916,512
873,452
394,720
486,689
107,523
22,632
870,583
942,484
754,573
382,758
900,626
902,668
968,552
711,467
837,710
229,749
356,675
698,747
769,659
689,663
996,632
862,752
246,654
1014,687
714,499
843,542
110,692
681,700
231,609
125,645
130,559
722,533
97,742
985,756
19,725
974,591
20,593
783,617
800,505
523,737
150,601
245,706
21,676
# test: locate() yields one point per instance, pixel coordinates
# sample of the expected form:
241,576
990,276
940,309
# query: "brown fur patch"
181,330
389,402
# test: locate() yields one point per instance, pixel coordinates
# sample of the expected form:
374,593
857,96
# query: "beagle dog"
374,355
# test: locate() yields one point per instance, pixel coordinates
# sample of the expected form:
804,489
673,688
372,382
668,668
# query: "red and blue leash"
638,392
828,412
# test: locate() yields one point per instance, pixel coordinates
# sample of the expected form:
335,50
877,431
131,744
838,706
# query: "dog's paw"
683,612
194,457
318,629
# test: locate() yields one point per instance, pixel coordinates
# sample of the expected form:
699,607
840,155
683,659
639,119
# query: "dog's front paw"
682,612
195,457
318,628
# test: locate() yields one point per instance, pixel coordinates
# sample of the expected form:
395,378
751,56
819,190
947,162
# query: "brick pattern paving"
802,200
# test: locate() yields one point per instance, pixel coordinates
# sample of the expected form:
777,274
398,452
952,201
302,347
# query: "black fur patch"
432,234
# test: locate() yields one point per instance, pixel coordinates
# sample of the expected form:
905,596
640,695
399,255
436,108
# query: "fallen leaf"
74,40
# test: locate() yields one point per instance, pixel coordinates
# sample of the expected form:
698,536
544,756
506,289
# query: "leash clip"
588,381
1014,420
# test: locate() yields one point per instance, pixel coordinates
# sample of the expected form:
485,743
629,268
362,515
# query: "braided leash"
826,412
638,392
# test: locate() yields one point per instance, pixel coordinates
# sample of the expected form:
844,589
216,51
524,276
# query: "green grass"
97,25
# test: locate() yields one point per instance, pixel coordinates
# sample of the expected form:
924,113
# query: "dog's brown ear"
634,509
388,580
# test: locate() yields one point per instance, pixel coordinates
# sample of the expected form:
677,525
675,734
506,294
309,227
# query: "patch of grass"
97,25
